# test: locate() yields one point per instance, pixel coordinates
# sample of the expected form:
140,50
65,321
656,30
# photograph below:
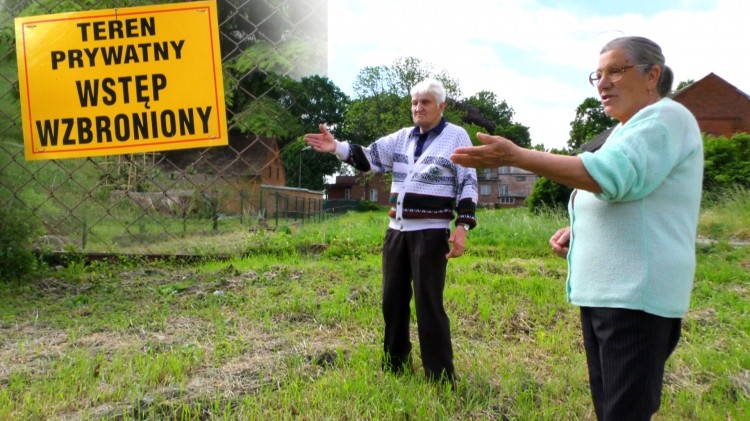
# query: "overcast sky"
535,54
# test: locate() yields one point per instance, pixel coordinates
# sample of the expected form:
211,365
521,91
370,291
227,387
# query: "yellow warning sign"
121,81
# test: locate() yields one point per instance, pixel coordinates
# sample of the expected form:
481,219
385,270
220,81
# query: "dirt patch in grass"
31,349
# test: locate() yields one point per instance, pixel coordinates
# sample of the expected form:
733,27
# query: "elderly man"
427,192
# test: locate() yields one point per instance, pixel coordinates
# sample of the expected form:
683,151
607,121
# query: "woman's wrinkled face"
623,87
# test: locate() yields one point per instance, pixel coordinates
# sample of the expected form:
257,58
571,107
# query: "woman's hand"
497,151
560,242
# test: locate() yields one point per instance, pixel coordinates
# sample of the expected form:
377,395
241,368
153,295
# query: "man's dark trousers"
418,256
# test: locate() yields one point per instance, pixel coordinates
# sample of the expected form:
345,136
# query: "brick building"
243,176
720,108
371,187
504,187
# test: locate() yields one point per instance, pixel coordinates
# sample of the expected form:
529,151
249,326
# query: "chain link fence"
161,202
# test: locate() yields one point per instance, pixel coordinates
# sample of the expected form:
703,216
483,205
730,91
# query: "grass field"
293,331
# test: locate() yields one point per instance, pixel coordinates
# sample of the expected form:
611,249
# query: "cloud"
535,57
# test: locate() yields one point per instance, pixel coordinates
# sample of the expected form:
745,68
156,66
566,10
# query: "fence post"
261,209
184,219
215,216
242,206
277,209
84,234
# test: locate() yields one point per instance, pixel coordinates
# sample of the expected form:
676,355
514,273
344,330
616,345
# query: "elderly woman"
634,214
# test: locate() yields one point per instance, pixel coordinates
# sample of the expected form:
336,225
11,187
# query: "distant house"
504,187
248,157
371,187
245,176
720,108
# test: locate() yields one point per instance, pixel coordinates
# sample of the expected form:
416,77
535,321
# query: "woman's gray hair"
430,86
645,52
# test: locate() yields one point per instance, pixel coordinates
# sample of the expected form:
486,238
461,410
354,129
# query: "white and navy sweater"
426,190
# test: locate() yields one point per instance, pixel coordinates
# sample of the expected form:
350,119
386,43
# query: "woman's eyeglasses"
613,74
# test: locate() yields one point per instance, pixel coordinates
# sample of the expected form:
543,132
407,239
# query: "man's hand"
321,142
560,242
457,241
497,151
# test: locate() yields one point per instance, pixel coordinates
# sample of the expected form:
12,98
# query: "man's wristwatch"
465,226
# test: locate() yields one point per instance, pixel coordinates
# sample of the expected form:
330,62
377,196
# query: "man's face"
425,111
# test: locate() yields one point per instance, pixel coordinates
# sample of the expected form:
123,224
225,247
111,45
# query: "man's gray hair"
430,86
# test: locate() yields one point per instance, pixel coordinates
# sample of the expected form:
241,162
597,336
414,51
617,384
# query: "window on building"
374,195
507,200
347,193
504,170
521,178
485,173
504,190
485,189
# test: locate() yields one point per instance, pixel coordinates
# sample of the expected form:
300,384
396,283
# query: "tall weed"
17,233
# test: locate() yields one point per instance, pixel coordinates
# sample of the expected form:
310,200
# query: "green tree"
400,77
382,104
684,84
590,120
266,46
489,107
547,194
315,100
248,24
369,118
289,109
485,110
378,108
727,163
407,72
516,132
305,168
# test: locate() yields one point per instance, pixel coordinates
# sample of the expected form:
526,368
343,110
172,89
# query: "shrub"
727,163
16,237
366,206
548,195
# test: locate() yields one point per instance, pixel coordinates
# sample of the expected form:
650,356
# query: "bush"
366,206
727,164
204,205
548,195
17,233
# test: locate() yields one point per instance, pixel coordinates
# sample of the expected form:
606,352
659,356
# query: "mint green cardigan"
633,245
